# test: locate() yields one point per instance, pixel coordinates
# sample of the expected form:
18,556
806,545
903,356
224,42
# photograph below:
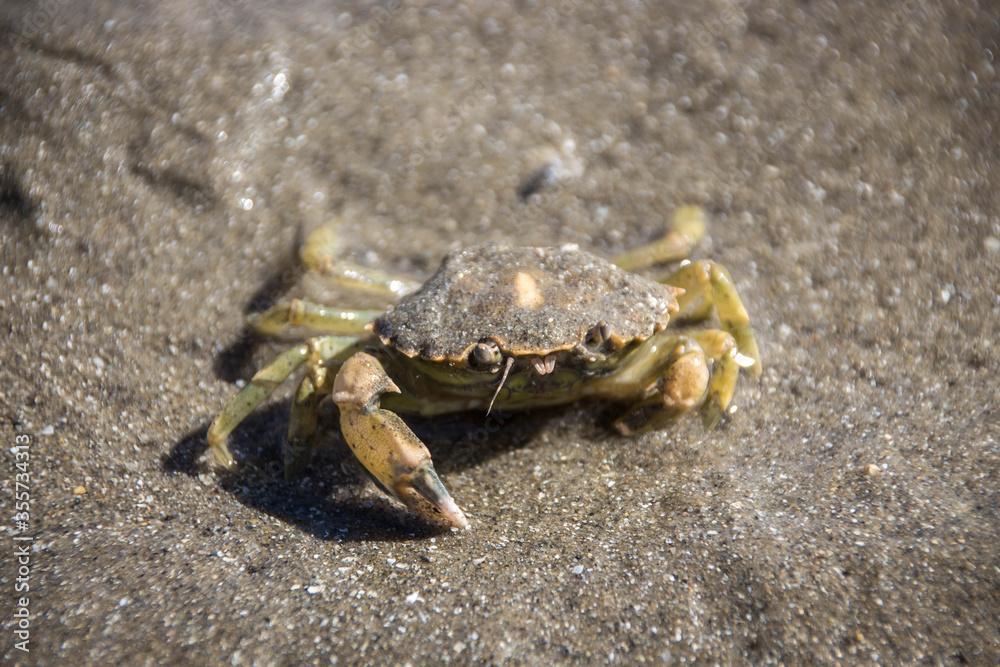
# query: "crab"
507,328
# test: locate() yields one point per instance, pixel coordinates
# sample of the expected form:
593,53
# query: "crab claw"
386,446
423,492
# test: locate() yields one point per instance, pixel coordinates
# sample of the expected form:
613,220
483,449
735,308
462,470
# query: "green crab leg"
314,316
707,284
721,347
385,445
686,380
319,254
687,227
314,352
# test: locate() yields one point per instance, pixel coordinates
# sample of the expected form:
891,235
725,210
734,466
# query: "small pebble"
578,570
873,470
79,490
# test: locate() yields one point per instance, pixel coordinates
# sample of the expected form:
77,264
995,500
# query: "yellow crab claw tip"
424,493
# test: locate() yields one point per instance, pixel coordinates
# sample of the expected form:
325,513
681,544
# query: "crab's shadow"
333,499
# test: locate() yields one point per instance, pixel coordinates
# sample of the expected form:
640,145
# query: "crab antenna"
510,362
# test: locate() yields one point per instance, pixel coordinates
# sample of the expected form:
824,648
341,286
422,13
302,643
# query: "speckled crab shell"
529,301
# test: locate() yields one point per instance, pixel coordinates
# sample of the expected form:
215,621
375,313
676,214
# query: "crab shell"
529,301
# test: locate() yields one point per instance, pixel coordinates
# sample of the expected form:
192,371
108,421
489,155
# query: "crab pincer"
385,445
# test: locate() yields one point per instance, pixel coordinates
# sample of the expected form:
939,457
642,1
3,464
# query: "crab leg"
385,445
707,284
319,254
314,352
721,347
685,381
687,227
297,312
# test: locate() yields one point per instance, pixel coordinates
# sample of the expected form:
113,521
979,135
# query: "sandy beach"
160,164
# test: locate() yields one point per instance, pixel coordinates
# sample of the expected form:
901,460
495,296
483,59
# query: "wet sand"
159,165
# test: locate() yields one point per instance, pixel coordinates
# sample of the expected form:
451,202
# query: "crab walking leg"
706,280
687,227
386,446
319,254
297,312
721,347
315,352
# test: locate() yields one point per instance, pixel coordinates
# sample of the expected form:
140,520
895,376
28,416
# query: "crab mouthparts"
544,365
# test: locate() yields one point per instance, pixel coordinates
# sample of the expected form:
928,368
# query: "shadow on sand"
330,500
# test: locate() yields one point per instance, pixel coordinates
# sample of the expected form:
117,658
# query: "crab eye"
485,356
600,333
